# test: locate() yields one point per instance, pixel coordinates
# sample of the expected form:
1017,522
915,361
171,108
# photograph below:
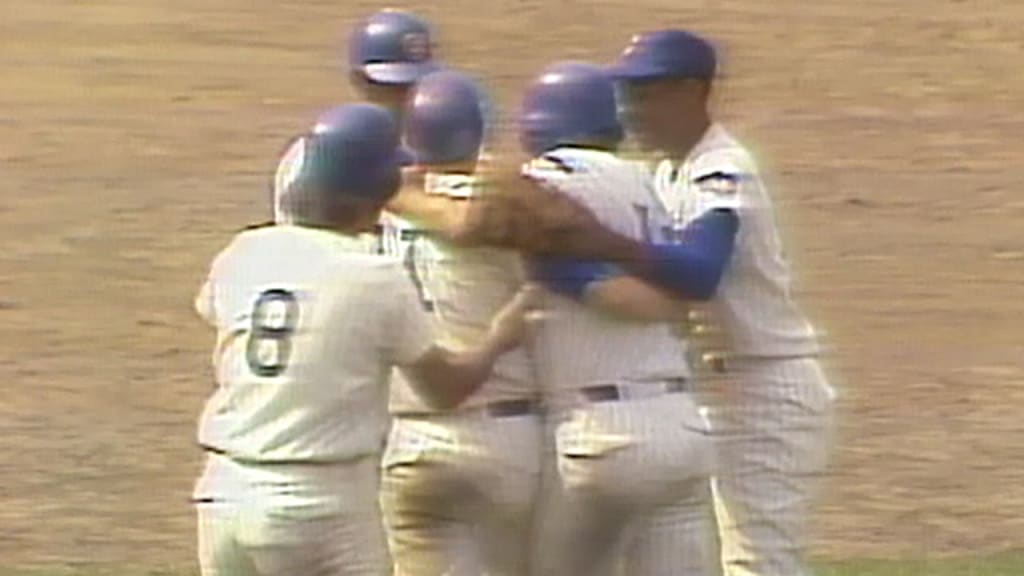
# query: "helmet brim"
397,73
637,72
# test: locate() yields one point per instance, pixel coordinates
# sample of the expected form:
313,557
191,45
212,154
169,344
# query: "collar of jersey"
452,185
671,171
337,240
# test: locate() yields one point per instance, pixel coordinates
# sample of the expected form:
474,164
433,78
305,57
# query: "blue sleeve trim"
569,277
694,267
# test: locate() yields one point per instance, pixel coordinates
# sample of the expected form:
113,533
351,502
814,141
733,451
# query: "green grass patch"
1006,564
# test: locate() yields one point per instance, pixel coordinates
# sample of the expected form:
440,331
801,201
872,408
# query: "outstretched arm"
691,269
444,215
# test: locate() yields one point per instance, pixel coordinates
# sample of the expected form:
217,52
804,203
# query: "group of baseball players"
431,364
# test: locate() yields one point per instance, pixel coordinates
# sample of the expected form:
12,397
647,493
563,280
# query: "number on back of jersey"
274,317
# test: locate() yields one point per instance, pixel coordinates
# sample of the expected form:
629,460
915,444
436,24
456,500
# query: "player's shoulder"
721,165
720,156
573,161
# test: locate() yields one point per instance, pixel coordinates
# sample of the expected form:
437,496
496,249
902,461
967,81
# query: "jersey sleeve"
410,330
719,179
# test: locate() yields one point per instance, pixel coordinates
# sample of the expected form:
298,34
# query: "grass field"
1006,564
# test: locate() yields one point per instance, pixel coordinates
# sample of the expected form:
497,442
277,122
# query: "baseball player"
309,326
775,412
388,52
633,454
458,486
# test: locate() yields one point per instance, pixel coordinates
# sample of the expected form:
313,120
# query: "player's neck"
461,168
688,139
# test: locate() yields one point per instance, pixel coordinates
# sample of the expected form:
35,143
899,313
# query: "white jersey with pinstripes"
579,346
465,288
309,326
753,304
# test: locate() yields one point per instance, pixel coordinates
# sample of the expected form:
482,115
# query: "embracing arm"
605,287
443,215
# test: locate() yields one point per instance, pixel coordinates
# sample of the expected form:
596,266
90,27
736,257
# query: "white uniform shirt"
580,346
753,302
309,327
465,288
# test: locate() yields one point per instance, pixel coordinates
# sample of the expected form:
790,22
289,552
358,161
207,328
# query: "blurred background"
136,136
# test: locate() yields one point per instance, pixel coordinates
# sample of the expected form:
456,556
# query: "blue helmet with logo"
357,156
391,47
570,103
444,118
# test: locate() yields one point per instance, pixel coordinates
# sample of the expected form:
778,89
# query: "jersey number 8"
274,316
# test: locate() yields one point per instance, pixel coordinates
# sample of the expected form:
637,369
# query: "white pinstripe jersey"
577,345
465,288
308,327
753,302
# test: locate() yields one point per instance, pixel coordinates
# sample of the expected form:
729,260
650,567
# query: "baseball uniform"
308,327
632,452
772,410
458,487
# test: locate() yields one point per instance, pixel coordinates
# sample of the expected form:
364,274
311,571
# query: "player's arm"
444,377
444,215
631,298
606,288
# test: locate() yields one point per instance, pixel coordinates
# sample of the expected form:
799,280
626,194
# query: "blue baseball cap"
359,157
392,47
665,54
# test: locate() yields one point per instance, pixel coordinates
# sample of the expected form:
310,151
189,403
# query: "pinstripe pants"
627,491
458,493
773,421
319,520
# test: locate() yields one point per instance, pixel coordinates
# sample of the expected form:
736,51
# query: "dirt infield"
136,135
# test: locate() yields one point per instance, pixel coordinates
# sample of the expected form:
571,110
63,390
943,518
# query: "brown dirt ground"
136,135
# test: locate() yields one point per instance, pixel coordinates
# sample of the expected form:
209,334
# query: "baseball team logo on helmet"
416,46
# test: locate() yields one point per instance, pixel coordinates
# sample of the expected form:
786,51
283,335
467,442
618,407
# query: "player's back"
301,362
464,287
578,345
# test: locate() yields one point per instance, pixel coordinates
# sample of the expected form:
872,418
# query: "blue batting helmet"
569,103
391,47
359,157
444,118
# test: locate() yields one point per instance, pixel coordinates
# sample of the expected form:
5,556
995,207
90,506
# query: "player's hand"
512,325
521,214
